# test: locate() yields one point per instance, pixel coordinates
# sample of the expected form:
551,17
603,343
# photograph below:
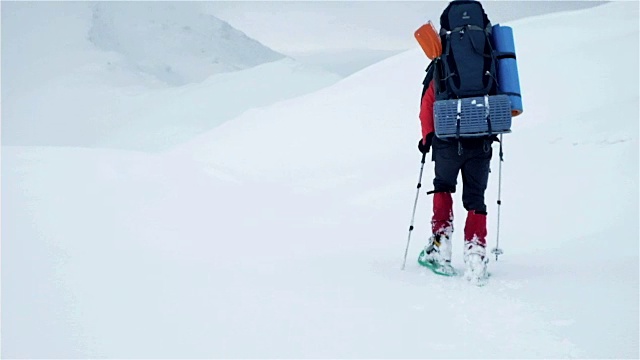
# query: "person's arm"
426,119
426,112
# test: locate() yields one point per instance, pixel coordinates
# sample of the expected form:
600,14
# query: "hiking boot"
475,261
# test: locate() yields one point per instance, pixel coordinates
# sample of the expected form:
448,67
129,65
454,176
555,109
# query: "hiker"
470,156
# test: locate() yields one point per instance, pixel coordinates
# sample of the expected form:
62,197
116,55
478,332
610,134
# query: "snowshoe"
436,256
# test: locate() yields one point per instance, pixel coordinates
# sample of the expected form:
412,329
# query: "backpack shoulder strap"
427,79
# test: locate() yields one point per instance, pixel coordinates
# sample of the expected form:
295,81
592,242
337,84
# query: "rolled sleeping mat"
508,78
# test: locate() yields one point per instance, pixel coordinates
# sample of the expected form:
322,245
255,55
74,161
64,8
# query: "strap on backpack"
427,79
461,30
488,114
447,34
458,120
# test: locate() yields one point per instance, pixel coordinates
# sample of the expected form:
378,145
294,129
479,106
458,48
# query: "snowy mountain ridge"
110,74
175,42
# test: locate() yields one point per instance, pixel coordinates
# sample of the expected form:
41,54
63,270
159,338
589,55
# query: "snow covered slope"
174,41
281,232
91,74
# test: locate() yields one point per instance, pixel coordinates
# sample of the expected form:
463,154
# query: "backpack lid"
463,12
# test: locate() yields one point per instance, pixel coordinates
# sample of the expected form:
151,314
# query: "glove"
424,148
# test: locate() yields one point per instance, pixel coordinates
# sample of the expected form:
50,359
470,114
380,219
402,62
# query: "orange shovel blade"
429,40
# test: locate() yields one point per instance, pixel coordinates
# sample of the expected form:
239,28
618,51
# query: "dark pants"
473,158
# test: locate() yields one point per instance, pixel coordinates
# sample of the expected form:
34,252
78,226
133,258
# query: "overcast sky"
381,25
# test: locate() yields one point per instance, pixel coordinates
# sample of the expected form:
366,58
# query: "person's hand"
425,146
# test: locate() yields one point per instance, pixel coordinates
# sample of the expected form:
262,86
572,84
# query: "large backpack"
467,66
465,76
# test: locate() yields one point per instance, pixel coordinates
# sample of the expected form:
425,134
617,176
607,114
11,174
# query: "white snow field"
109,74
280,233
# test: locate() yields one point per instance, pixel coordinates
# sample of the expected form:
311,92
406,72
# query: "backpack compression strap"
461,30
506,55
487,114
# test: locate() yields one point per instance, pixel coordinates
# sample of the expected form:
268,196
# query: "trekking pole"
497,249
413,215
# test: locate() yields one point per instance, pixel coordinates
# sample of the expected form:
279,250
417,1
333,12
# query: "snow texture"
280,233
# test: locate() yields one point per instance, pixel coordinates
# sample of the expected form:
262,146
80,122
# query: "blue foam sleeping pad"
507,68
